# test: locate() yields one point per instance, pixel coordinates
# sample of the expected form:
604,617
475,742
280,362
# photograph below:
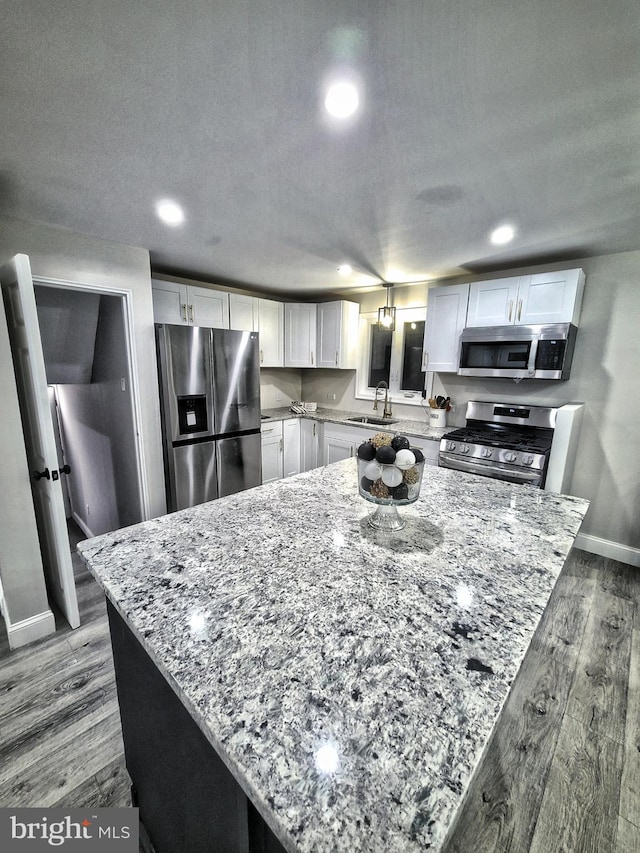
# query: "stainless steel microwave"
518,352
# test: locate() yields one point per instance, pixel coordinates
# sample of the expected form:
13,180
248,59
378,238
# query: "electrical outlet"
331,396
278,396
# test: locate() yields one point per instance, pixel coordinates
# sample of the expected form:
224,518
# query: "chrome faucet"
387,413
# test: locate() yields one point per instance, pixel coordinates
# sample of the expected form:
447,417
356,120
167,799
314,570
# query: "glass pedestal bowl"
388,487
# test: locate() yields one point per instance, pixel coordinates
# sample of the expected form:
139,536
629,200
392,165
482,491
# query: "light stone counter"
349,680
418,426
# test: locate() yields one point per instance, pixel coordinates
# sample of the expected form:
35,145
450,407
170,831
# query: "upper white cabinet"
550,297
300,334
189,306
554,297
337,334
243,312
446,317
271,332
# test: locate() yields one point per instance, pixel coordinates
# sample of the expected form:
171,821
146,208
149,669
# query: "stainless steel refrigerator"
210,408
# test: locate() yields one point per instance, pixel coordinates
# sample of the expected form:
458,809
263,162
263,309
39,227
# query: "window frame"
369,319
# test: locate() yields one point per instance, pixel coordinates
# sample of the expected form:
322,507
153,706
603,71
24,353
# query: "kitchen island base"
188,800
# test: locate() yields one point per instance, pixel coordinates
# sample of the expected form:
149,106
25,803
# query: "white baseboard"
33,628
87,532
606,548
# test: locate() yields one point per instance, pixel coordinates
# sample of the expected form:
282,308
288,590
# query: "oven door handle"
472,467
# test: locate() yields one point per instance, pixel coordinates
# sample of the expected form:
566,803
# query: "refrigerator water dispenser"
192,414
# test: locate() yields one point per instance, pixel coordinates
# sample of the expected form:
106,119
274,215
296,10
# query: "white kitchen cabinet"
291,447
271,332
446,318
243,312
272,451
342,442
337,334
430,449
300,334
550,297
186,305
309,444
527,300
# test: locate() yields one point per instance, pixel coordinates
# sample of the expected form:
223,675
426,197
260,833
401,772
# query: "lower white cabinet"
280,449
272,452
430,449
309,444
300,444
291,447
341,442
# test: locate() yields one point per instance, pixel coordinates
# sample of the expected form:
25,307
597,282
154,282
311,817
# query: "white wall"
604,376
21,571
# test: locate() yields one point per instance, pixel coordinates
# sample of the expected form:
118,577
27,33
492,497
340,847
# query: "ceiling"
473,113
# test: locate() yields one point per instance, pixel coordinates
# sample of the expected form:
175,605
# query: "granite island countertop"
348,679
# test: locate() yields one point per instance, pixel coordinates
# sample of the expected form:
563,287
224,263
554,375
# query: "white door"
31,380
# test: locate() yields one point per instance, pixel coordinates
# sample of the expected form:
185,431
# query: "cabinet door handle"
510,309
281,446
312,358
184,311
191,314
336,357
519,308
314,430
425,359
261,356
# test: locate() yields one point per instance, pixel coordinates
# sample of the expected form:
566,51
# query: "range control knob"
451,445
510,456
486,452
464,448
527,459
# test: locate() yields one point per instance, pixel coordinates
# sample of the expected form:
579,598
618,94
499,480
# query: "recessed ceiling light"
170,212
503,234
345,269
341,100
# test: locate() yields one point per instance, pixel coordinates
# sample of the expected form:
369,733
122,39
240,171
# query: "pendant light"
387,314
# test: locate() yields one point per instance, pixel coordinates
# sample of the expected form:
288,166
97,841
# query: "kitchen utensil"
440,402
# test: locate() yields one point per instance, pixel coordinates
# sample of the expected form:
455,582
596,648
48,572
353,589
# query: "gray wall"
604,376
98,432
21,572
70,257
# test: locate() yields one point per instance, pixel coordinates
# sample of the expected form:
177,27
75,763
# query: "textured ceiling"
473,112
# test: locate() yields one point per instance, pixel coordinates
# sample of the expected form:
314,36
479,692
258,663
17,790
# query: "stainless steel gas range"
515,442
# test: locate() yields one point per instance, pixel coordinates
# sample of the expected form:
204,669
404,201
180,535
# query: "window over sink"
394,358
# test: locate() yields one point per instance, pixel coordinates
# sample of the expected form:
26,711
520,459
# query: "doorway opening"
87,361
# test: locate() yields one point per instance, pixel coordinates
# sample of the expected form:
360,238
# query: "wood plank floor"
561,773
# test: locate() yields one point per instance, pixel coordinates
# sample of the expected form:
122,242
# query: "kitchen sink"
365,419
